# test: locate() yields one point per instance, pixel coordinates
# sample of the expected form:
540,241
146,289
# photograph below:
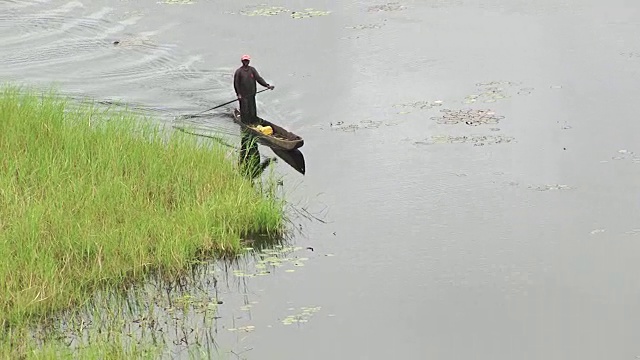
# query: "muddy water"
474,163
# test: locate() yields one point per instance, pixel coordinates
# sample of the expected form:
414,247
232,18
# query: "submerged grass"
92,199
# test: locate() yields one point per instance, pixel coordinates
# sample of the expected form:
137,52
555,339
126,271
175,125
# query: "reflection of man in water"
244,83
250,156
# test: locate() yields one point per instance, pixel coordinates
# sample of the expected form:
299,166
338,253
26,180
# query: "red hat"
245,57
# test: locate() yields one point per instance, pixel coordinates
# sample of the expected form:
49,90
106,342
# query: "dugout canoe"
281,138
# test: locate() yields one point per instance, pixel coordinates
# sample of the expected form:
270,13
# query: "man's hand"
270,87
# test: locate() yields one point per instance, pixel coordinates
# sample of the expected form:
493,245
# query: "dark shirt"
244,80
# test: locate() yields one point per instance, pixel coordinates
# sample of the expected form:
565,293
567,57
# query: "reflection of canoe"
293,158
280,138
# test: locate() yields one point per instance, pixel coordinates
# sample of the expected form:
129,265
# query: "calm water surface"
475,162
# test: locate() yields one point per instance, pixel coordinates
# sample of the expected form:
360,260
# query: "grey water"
472,166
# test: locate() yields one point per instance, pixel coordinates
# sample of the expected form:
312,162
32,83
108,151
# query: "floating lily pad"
302,316
469,116
627,155
178,2
392,6
524,92
366,26
247,328
263,10
492,91
307,13
475,140
421,105
363,124
275,257
549,187
630,54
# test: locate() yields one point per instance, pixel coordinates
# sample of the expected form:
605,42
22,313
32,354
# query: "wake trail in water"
102,54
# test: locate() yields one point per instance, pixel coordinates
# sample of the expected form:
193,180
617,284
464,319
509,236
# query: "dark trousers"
248,112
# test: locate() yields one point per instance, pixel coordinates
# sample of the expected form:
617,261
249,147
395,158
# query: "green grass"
93,199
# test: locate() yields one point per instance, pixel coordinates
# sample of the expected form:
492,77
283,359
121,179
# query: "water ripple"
105,53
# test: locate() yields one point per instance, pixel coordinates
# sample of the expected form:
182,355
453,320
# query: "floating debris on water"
476,140
492,91
626,154
392,6
307,13
420,105
179,2
367,26
525,91
468,116
265,10
301,317
549,187
247,328
363,124
633,232
138,40
490,94
275,257
630,54
497,83
597,231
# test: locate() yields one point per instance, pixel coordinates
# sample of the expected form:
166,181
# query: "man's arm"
259,78
236,83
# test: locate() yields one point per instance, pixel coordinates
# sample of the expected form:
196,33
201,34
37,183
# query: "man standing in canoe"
244,83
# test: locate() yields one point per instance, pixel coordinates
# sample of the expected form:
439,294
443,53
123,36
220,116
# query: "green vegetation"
91,200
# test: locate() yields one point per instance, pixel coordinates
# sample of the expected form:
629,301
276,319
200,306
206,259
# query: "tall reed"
93,198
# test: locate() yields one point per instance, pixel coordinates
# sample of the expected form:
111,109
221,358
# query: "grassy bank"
91,199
